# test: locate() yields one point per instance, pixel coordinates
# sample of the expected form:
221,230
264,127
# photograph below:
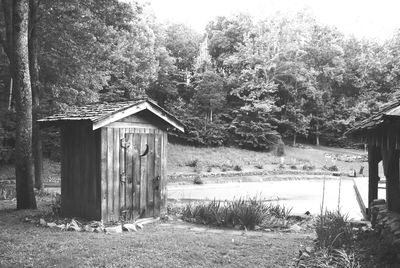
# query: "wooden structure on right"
382,134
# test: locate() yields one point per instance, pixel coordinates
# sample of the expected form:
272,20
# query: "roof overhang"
155,109
108,118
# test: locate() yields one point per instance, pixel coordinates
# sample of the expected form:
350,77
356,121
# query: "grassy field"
188,159
183,159
175,244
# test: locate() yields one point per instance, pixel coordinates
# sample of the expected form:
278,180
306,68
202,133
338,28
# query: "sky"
362,18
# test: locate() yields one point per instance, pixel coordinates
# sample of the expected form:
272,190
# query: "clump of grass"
332,168
333,229
308,167
336,258
198,180
247,213
237,168
192,163
259,166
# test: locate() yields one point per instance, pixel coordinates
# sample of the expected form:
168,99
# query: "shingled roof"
101,114
390,110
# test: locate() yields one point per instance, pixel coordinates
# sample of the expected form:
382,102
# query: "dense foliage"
245,83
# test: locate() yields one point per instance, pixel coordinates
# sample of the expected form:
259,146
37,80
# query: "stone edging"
386,223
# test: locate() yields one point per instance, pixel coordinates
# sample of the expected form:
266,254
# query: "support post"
374,157
391,170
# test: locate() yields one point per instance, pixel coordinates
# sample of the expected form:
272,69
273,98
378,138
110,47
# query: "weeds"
198,180
333,230
259,166
331,168
192,163
237,168
246,213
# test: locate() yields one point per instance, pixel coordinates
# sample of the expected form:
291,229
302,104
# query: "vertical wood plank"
136,175
143,176
110,184
83,152
64,168
116,177
129,176
103,170
150,174
77,158
157,173
163,209
122,151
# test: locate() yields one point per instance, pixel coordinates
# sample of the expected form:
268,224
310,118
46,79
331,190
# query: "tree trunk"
23,107
294,139
34,73
317,135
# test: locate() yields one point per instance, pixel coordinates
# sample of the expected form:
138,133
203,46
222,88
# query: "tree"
210,96
23,106
35,85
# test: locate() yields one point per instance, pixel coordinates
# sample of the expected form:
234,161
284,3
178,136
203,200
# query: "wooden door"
143,173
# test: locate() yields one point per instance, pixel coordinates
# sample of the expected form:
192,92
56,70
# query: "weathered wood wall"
80,184
105,178
132,185
384,144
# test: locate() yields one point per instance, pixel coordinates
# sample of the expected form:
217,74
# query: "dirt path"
171,244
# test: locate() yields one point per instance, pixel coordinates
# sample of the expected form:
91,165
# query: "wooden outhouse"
113,159
382,134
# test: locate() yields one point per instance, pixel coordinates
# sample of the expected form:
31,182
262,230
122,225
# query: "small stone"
88,228
114,229
61,226
295,228
130,227
51,224
308,250
305,255
42,222
267,230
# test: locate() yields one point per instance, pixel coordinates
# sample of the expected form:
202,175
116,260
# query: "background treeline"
243,82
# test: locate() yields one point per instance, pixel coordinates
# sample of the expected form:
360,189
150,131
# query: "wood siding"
80,178
132,185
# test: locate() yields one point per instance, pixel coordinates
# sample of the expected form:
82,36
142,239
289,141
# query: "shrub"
198,180
308,167
259,166
293,167
237,168
247,213
192,163
332,229
332,168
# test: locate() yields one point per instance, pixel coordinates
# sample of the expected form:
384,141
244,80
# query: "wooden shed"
382,134
113,159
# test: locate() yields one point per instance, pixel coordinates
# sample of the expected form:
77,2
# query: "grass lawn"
183,159
174,244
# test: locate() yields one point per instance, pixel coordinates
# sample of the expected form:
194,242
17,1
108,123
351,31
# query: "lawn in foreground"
157,245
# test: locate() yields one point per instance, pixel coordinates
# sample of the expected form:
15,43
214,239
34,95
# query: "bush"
308,167
237,168
247,213
192,163
198,180
333,230
332,168
259,166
